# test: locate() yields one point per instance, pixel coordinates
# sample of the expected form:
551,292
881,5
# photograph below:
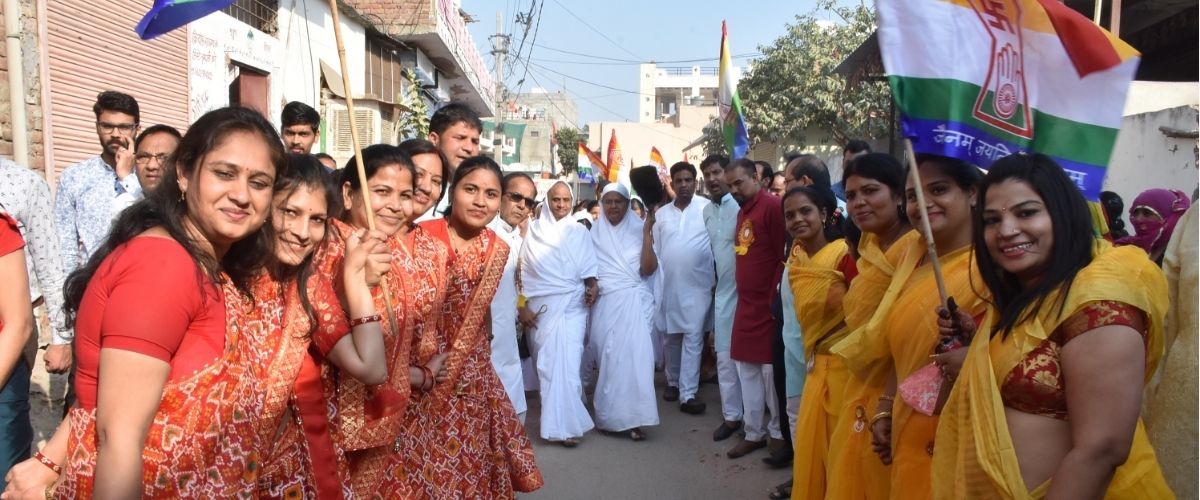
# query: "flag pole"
358,158
925,229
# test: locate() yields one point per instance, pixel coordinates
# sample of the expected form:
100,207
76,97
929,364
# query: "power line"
536,28
601,85
679,61
601,33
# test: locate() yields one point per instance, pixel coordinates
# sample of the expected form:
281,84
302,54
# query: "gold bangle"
878,416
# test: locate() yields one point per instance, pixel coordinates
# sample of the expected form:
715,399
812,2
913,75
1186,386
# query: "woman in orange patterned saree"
1047,402
461,436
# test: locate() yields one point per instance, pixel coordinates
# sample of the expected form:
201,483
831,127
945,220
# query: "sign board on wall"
218,46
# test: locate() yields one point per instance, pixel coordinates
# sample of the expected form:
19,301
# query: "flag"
166,15
733,124
979,80
656,159
614,158
590,164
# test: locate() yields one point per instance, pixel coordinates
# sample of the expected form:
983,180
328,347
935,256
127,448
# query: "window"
259,14
384,73
534,133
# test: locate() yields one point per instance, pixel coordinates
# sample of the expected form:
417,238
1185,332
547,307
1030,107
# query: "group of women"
1026,383
242,333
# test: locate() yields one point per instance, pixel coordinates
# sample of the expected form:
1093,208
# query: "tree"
714,140
792,88
568,150
414,123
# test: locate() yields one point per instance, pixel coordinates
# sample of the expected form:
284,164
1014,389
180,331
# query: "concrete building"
529,121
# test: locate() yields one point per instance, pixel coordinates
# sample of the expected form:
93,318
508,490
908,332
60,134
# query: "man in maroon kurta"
759,248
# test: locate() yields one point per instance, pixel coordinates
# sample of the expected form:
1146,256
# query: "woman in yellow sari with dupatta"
905,438
874,193
819,271
1047,402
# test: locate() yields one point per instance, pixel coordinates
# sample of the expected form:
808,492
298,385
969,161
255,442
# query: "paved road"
678,460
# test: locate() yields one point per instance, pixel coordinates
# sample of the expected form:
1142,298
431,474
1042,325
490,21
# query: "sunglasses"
518,198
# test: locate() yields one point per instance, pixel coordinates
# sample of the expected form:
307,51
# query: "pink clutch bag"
920,390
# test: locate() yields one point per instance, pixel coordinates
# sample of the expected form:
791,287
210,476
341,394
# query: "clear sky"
636,30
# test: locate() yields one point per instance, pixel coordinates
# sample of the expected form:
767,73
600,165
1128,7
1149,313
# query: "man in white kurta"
517,202
681,243
558,277
622,317
720,219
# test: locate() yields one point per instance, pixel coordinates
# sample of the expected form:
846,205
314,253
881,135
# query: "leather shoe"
725,430
692,407
671,394
745,447
781,455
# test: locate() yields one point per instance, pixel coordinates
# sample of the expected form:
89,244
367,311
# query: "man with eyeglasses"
154,148
509,224
88,192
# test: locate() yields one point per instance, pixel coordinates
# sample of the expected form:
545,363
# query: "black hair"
964,174
1114,208
590,204
767,171
857,146
710,159
824,199
852,234
304,171
111,100
452,113
298,113
157,129
1071,223
884,168
745,164
682,167
469,166
375,157
417,147
322,156
165,207
812,166
507,180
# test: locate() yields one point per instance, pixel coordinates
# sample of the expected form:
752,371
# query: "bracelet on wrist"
373,318
879,416
47,462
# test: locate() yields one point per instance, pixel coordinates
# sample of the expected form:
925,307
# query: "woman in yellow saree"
819,271
874,189
1047,401
906,437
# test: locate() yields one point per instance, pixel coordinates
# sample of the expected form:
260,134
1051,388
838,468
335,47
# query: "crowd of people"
241,318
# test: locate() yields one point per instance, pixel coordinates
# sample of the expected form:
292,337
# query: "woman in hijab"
1153,215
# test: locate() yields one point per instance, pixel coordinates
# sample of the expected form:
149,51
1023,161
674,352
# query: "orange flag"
614,158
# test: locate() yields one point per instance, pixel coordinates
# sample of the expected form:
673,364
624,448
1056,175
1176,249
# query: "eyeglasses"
144,158
519,198
108,128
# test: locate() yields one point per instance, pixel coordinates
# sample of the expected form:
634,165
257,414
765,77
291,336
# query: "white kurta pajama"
682,245
621,326
720,219
506,359
556,258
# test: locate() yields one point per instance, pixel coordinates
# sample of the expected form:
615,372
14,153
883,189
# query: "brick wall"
396,16
33,96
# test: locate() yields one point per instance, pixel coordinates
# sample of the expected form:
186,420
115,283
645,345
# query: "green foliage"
714,141
791,88
568,150
414,123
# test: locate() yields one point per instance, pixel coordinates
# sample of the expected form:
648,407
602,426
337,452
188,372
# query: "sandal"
570,442
637,435
782,491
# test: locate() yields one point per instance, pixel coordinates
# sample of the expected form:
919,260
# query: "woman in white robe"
623,316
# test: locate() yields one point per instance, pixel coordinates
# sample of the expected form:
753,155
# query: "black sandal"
637,435
782,491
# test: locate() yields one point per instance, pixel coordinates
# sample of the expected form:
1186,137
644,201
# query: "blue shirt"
89,196
720,219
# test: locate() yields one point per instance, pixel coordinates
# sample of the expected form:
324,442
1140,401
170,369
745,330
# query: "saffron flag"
981,79
656,159
614,158
733,124
166,15
590,164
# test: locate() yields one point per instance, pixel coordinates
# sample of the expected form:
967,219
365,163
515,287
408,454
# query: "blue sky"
640,30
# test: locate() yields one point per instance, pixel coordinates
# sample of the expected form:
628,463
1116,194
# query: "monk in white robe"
622,317
517,203
558,274
681,242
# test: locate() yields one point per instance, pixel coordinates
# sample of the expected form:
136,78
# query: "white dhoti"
558,342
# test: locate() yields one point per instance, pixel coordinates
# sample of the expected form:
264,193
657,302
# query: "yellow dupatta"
819,288
975,454
910,338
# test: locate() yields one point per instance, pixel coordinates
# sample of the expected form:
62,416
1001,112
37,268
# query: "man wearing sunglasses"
515,206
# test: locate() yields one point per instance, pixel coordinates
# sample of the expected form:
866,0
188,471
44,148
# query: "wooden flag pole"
925,229
358,158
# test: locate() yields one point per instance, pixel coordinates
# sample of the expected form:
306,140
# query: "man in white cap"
558,279
623,316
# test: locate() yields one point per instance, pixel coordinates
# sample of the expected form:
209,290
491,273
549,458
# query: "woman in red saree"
461,436
299,458
163,395
368,419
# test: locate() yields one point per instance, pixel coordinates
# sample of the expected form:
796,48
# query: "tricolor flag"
590,164
166,15
614,158
981,79
733,124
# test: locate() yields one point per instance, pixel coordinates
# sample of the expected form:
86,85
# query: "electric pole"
499,51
